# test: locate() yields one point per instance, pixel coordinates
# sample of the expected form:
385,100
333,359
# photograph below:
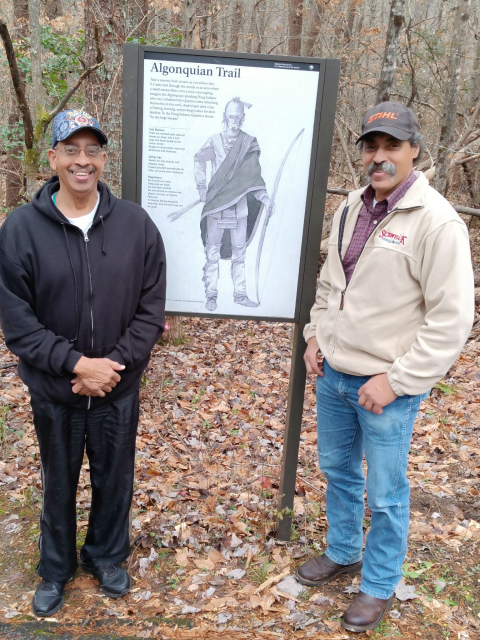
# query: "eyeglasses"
72,151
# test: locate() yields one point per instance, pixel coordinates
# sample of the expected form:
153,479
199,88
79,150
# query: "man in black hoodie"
82,302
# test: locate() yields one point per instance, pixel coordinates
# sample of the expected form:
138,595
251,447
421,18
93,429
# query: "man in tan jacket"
393,310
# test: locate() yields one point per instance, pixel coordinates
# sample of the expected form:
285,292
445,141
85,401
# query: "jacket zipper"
90,299
342,300
341,229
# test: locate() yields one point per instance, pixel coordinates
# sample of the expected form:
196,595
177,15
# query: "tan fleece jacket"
408,309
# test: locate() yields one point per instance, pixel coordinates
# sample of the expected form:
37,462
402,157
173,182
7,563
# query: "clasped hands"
374,395
95,376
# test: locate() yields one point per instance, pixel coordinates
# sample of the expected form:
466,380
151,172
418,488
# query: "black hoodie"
62,297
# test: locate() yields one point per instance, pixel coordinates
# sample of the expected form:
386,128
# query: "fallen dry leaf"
216,556
405,591
204,563
181,557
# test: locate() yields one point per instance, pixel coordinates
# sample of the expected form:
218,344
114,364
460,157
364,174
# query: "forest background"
213,399
425,54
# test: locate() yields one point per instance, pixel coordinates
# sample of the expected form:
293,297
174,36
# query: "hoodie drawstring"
75,283
104,245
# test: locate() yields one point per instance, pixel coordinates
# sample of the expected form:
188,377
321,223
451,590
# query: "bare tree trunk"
108,24
38,92
204,26
295,18
311,45
259,16
451,95
475,78
352,7
53,8
470,184
13,180
37,96
391,50
235,27
189,23
13,165
24,108
190,40
346,154
347,37
408,43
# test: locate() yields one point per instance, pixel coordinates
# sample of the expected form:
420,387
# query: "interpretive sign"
229,154
228,149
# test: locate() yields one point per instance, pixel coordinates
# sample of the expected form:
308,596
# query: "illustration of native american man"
233,199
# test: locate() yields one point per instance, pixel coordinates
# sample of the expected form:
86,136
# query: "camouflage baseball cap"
66,123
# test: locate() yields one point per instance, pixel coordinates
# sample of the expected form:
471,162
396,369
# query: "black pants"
108,433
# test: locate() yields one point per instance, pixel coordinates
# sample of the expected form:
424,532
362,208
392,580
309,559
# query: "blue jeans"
347,431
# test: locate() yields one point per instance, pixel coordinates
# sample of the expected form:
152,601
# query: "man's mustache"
387,167
77,167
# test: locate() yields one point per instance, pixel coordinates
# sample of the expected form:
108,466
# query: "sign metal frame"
132,140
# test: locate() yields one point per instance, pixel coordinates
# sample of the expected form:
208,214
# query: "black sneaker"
48,598
114,579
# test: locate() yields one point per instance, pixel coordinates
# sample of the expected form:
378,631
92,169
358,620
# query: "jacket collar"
413,199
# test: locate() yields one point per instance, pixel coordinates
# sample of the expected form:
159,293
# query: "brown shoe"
365,612
321,570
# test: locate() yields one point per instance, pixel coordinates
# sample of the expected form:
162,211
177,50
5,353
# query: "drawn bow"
269,213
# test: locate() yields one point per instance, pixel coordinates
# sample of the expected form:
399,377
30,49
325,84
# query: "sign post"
229,154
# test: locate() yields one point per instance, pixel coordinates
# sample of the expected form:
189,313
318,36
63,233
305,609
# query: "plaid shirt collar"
369,193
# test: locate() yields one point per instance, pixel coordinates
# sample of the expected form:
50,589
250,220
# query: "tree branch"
13,173
408,44
277,45
459,208
456,162
346,154
18,85
354,133
70,92
471,123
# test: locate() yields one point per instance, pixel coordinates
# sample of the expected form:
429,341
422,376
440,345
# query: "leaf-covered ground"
204,558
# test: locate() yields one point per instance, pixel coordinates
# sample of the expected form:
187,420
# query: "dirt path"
209,448
208,456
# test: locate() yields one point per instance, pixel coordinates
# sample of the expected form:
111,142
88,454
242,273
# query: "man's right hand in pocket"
97,376
314,367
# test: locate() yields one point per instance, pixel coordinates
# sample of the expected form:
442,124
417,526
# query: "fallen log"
458,208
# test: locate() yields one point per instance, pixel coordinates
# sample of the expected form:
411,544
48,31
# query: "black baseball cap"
393,118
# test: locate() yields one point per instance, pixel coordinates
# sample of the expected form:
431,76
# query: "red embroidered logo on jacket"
393,238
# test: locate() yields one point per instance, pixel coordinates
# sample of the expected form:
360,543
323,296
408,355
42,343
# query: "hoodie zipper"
86,240
90,299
